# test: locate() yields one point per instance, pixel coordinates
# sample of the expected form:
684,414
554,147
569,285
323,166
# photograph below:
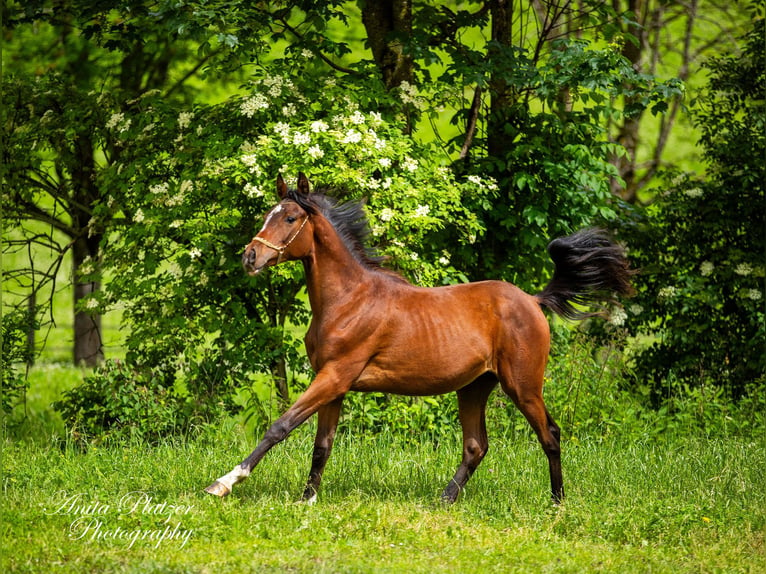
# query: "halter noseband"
277,248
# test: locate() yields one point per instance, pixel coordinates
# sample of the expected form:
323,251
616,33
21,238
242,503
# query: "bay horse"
373,331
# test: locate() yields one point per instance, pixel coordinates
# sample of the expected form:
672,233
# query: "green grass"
681,505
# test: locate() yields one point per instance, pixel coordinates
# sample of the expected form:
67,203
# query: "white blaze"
271,214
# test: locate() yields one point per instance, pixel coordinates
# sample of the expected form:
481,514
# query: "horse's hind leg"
525,389
472,402
328,416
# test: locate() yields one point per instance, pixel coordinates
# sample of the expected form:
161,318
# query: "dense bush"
15,351
701,244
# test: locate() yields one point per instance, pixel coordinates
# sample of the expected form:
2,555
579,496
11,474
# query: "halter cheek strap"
281,249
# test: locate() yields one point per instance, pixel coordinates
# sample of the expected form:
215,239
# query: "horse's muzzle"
248,261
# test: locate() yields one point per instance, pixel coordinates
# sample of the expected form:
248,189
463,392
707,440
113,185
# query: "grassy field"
683,504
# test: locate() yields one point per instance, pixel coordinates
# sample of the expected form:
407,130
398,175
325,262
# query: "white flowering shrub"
191,187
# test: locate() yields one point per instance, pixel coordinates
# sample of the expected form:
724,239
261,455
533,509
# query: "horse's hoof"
218,489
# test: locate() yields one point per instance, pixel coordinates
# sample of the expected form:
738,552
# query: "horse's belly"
420,376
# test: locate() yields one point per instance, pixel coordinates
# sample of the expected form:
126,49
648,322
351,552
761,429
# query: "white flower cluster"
422,211
184,120
118,122
253,190
408,93
754,294
743,269
617,317
667,292
253,104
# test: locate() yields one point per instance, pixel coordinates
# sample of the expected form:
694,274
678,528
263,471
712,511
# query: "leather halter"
281,249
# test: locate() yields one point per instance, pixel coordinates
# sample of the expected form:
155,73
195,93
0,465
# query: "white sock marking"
237,475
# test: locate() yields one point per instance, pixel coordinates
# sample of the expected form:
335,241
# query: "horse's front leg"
326,425
324,390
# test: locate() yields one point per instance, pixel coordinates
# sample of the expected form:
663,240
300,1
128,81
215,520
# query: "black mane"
349,220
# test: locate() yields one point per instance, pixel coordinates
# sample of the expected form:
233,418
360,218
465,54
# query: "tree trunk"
88,345
630,130
279,374
388,23
502,96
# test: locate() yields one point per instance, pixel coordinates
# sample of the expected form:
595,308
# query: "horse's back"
440,339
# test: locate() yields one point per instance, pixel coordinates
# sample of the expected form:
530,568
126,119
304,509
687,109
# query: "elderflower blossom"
301,138
195,253
289,110
617,317
387,214
115,120
283,130
249,159
186,186
175,200
184,119
315,152
139,215
443,261
384,162
92,303
119,122
307,54
706,268
754,294
376,119
319,126
636,309
410,164
253,190
408,93
743,269
474,179
357,118
252,104
422,211
667,292
159,188
693,193
352,136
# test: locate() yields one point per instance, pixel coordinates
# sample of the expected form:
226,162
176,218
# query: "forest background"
141,141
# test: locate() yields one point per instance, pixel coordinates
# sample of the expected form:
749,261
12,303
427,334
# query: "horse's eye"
290,219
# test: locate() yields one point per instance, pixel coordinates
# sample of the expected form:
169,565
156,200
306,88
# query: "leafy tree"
174,184
65,63
198,183
701,244
674,37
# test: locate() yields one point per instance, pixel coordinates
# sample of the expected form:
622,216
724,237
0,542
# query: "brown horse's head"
284,235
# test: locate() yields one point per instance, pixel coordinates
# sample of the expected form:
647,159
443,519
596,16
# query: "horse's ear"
303,183
281,187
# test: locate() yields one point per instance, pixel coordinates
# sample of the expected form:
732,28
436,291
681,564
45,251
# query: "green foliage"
700,246
190,188
118,401
552,157
15,351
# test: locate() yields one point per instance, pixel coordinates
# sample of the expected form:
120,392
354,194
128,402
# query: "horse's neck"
332,272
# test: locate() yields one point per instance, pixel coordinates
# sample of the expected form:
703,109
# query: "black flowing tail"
590,271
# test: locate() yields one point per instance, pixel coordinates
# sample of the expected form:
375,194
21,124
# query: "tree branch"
473,117
319,53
